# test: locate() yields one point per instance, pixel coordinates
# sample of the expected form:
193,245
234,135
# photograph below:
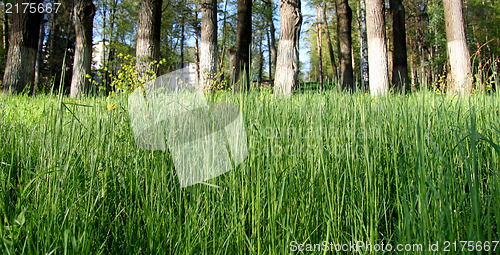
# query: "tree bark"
377,49
339,53
344,16
287,64
197,42
23,45
272,35
365,83
110,61
39,56
413,71
84,19
242,47
208,49
148,37
270,55
183,28
51,41
319,32
329,43
5,30
222,53
261,61
399,57
458,52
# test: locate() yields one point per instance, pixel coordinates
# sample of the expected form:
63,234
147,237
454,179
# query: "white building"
99,54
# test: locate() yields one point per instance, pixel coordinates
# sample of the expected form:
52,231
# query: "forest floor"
415,169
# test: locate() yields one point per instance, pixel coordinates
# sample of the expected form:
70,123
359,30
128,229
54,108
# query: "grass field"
334,167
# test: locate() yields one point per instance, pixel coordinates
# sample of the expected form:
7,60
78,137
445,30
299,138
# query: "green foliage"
219,81
126,79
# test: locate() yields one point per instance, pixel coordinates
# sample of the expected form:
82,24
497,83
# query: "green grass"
321,167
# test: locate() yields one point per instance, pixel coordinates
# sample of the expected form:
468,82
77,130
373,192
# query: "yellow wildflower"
111,107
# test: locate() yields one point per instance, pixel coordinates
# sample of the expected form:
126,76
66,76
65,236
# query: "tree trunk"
319,32
148,37
377,49
261,61
197,53
399,57
51,47
23,45
287,64
197,42
413,74
344,16
365,83
208,49
458,52
84,19
242,47
268,34
110,62
339,53
329,43
39,57
5,30
183,28
222,56
272,33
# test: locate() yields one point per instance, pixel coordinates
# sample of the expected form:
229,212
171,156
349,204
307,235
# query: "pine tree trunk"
413,74
5,30
84,18
39,57
148,37
51,47
272,34
208,49
110,62
377,49
329,43
319,32
261,61
344,15
222,56
365,83
197,53
337,29
399,57
270,55
197,42
287,64
458,52
183,36
242,47
23,45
